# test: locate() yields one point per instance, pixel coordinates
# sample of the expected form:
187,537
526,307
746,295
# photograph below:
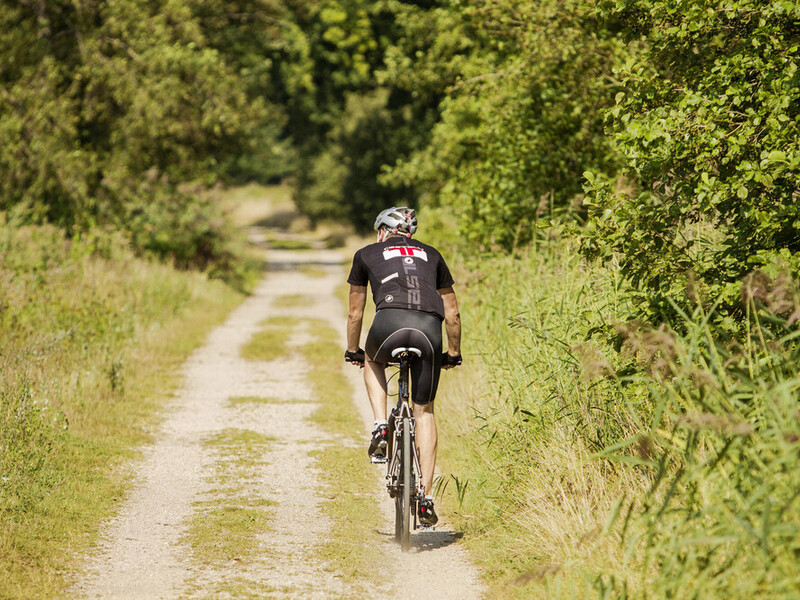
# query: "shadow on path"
424,541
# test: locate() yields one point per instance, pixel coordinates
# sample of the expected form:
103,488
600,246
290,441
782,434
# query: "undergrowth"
90,340
586,455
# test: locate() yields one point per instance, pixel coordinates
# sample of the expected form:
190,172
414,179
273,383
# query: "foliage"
707,120
722,515
523,119
665,470
520,424
255,37
359,145
348,114
191,229
108,104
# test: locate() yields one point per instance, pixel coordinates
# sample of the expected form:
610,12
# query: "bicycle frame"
403,473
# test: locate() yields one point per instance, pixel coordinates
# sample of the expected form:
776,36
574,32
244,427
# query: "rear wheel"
405,474
398,518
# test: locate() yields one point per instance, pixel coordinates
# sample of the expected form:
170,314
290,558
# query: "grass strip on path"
270,342
226,526
348,479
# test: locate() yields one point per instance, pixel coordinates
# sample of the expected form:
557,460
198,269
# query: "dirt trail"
144,553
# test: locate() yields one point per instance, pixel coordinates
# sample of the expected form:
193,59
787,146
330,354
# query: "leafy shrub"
523,120
707,119
106,108
189,229
667,469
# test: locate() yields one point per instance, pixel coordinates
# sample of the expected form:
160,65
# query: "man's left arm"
452,322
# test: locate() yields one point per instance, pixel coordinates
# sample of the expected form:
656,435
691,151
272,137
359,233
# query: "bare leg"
427,439
375,379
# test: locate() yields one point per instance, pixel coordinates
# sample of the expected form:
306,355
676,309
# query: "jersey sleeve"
443,277
358,272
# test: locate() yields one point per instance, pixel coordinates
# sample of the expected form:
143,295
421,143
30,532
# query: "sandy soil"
144,553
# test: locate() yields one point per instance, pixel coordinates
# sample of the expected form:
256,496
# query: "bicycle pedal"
378,460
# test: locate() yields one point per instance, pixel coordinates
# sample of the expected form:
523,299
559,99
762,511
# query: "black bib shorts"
395,328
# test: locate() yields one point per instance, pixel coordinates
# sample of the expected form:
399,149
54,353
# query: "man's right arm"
452,321
355,316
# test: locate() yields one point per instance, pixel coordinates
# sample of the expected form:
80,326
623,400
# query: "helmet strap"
384,233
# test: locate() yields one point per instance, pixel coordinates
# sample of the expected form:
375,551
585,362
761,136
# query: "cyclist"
413,293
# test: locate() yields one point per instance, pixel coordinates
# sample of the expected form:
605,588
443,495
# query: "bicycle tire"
398,518
405,470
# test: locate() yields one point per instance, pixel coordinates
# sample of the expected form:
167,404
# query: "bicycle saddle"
398,351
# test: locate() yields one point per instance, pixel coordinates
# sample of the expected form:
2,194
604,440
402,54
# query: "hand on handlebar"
357,358
449,361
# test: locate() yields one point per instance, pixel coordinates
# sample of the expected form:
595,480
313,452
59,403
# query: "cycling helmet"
398,219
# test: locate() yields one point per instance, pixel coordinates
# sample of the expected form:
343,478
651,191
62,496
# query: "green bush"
707,119
523,120
108,107
189,229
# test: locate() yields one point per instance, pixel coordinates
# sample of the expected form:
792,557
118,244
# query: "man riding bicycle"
413,293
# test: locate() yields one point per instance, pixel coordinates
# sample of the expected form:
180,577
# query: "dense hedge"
707,121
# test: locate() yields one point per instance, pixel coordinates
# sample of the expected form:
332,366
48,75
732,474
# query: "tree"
523,118
349,116
106,107
708,122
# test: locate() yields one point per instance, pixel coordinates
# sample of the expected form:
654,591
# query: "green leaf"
776,156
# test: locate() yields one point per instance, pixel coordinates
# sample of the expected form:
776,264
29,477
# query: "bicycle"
403,474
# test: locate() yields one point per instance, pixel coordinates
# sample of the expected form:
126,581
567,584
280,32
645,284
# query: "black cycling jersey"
403,273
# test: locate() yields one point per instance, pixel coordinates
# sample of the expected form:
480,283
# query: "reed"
585,455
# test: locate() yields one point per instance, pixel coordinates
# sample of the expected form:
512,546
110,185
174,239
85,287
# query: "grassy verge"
664,467
519,426
91,339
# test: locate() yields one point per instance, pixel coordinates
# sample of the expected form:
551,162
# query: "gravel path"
144,552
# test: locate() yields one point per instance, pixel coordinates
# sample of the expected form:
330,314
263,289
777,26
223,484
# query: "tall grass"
519,429
586,458
91,339
721,517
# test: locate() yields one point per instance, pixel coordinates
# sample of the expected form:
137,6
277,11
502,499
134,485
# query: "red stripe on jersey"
397,251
